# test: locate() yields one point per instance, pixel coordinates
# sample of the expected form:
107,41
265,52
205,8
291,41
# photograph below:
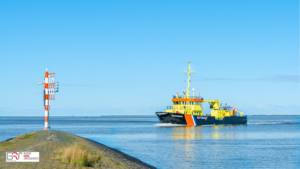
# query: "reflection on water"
217,135
186,140
221,146
186,133
186,136
192,133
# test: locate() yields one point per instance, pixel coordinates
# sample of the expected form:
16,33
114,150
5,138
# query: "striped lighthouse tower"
49,90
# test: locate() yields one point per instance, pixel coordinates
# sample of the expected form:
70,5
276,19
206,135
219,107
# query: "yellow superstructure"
223,112
186,104
193,104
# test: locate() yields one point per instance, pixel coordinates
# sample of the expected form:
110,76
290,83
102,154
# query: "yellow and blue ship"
187,110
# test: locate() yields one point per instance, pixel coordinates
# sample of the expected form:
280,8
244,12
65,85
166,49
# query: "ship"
188,110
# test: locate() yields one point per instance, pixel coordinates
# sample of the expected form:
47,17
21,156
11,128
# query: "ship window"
179,102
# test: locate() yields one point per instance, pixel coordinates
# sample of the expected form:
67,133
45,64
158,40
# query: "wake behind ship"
187,110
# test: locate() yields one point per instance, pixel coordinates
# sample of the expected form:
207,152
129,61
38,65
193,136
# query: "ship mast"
188,72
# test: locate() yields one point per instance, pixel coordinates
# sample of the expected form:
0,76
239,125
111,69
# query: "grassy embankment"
80,155
63,150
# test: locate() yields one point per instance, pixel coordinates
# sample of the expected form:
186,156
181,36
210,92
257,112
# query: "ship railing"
190,97
169,107
225,107
187,107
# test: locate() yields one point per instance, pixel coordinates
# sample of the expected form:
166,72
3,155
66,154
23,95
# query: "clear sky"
126,57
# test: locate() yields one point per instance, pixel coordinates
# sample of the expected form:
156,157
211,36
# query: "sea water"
265,142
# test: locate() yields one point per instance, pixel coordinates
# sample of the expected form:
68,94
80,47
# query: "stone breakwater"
54,146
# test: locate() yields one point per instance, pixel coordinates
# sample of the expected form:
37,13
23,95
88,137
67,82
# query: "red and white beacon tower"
49,90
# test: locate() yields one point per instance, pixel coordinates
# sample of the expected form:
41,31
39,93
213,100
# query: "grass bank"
64,150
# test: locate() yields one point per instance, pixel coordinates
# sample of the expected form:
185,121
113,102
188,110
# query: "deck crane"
225,111
213,104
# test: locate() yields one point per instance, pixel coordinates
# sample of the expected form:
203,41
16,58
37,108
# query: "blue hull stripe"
194,119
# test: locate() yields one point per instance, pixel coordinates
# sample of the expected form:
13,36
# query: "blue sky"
126,57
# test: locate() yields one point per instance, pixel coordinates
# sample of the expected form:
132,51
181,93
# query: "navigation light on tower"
50,88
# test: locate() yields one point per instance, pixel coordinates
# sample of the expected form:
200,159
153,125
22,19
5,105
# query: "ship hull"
192,120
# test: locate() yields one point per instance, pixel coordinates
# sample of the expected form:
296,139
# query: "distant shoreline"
141,116
87,116
274,115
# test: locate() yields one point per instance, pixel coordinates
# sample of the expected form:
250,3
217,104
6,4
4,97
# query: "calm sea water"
266,142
